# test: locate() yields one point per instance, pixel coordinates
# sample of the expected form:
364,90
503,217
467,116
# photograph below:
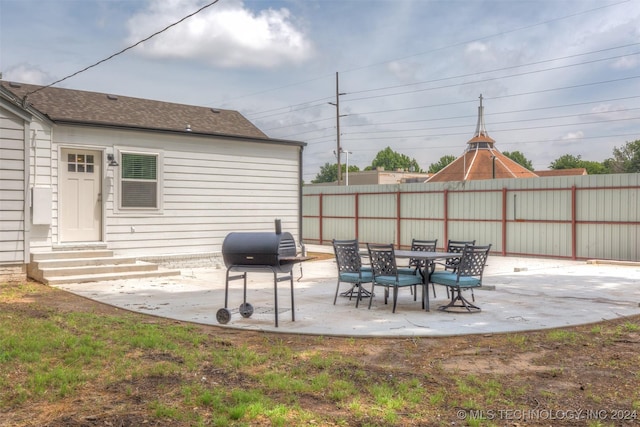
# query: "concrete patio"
521,294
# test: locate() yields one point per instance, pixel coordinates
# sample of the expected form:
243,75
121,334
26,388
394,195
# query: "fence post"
320,220
504,221
445,219
398,220
357,216
573,223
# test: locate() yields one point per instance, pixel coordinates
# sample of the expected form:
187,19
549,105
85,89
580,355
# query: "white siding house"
14,129
144,178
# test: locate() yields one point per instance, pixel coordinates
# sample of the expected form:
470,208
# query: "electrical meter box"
41,205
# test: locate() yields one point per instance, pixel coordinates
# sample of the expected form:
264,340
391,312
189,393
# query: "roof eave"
481,138
179,132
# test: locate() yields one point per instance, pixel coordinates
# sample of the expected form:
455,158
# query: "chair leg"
336,297
371,297
359,297
431,268
395,298
350,292
456,296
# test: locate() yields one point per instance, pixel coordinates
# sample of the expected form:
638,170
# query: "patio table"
429,256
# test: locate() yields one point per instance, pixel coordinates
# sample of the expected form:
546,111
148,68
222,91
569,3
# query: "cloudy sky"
557,76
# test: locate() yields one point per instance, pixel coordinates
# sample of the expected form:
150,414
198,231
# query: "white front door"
80,195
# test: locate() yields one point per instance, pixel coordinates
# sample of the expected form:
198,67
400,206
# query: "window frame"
159,155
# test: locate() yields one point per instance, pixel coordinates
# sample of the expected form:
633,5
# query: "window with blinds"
139,181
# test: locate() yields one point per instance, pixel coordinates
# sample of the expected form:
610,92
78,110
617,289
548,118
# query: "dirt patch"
595,370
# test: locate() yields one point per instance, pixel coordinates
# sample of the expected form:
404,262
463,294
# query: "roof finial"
481,130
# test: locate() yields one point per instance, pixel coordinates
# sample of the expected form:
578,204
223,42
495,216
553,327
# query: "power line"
458,44
455,84
490,78
24,99
475,73
493,131
496,123
321,102
462,43
539,141
450,117
527,110
507,96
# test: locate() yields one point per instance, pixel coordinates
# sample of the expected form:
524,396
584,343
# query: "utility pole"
338,148
346,182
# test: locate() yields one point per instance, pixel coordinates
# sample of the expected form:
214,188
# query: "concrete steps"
82,266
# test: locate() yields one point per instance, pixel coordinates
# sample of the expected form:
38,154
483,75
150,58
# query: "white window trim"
118,182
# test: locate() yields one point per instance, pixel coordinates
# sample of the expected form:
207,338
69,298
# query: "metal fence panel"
539,239
377,230
378,205
421,214
606,241
311,229
338,228
569,217
338,205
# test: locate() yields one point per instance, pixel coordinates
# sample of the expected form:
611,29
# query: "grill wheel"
246,310
223,316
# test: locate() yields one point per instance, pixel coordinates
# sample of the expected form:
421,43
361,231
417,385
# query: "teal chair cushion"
407,270
367,276
365,268
448,278
402,280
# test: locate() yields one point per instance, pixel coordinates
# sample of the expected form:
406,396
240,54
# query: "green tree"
390,160
519,158
595,168
329,172
626,159
569,161
441,164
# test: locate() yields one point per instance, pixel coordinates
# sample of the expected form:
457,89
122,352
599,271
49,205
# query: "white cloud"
612,113
227,34
404,71
27,73
572,136
626,63
477,47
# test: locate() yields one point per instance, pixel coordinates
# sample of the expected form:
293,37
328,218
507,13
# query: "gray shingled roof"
76,106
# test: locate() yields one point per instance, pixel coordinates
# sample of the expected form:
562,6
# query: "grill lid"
256,248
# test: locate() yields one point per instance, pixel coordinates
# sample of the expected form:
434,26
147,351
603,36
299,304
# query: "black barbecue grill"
258,252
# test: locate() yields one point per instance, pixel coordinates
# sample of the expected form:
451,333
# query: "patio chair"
468,275
419,265
385,273
455,246
350,269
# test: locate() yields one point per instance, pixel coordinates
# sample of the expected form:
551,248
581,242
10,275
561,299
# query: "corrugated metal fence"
575,217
